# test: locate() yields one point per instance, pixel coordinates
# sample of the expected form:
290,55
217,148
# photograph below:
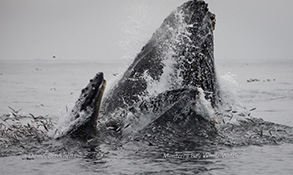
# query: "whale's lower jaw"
180,121
85,113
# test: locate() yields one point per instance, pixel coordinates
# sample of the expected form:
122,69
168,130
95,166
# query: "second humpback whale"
169,85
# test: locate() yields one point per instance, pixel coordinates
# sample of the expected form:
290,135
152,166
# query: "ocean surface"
51,88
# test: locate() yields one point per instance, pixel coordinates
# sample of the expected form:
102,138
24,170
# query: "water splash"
231,108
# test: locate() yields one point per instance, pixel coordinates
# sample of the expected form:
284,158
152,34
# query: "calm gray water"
49,87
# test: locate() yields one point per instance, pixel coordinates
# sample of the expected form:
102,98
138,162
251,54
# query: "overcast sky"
118,29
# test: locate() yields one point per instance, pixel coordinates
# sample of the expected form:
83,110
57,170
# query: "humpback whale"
163,87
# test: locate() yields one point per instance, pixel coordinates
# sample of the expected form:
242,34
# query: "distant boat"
54,57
